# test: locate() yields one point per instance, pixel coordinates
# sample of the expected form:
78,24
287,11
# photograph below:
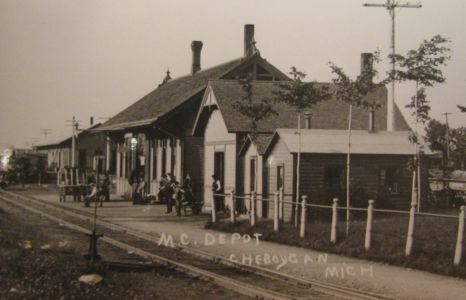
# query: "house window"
280,177
82,159
112,162
334,180
252,172
387,179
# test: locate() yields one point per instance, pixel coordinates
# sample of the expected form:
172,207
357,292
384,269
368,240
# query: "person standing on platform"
169,191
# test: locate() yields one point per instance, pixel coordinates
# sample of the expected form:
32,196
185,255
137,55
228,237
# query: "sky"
65,58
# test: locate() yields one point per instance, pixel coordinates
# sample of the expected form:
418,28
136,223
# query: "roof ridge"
268,81
208,69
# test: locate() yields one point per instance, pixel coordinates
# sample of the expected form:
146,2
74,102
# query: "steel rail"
316,285
228,283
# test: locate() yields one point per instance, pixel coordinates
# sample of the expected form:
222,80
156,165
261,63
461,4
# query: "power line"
391,5
45,131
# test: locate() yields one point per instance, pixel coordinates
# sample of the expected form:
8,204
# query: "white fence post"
233,207
253,208
302,230
410,236
333,229
459,240
281,205
214,213
367,240
275,212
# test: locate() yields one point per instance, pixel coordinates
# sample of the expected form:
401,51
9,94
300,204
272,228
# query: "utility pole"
45,132
74,125
391,5
448,135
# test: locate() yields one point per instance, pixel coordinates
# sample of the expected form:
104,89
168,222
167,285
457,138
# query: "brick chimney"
307,120
249,47
196,47
371,120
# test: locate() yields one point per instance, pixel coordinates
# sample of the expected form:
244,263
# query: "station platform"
391,281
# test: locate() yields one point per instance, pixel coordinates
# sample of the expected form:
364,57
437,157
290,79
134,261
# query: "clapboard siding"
280,156
250,153
364,170
218,139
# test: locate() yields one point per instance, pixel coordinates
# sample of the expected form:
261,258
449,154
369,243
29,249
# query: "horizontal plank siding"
279,156
365,172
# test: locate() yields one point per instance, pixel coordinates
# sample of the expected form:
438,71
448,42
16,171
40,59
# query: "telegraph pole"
45,132
448,135
391,5
74,124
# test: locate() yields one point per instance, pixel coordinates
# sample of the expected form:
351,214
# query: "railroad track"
268,284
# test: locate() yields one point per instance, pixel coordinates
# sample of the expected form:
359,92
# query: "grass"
433,250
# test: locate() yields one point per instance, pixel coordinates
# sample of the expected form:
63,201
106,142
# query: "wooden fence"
279,202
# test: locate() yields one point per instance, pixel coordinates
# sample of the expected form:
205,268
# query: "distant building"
90,151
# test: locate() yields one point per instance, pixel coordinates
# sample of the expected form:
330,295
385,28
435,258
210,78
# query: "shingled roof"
166,97
261,141
330,114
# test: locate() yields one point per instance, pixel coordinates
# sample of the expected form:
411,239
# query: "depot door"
219,168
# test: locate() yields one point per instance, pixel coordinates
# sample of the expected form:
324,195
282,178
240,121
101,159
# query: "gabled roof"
166,97
362,142
261,141
330,114
175,92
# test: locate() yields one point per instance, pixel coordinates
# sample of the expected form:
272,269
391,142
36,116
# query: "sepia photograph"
232,149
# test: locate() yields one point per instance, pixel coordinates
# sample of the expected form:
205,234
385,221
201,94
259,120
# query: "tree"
301,95
436,137
354,92
423,67
254,109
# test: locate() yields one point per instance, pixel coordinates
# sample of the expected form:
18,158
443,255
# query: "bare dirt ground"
41,260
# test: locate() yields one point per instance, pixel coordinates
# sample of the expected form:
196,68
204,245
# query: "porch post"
118,162
151,166
159,160
107,155
168,156
123,170
178,170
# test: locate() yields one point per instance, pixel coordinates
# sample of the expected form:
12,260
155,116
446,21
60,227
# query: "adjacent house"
380,166
239,160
